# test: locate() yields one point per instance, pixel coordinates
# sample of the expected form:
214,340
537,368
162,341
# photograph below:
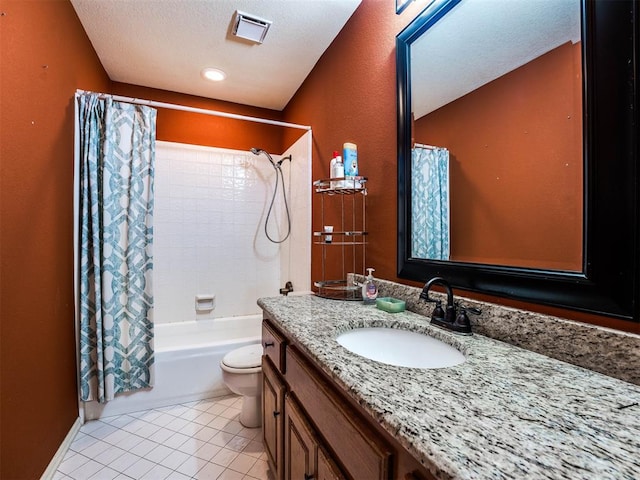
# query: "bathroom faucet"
447,318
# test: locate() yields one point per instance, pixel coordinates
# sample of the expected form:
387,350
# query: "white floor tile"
144,447
158,472
198,440
177,424
129,442
230,413
210,471
206,433
80,444
232,427
70,463
96,449
204,418
104,431
106,473
177,476
147,430
238,443
159,453
86,470
91,426
259,470
207,451
230,475
140,468
221,438
175,440
191,466
242,463
224,457
191,446
160,435
255,449
217,409
123,462
175,459
109,455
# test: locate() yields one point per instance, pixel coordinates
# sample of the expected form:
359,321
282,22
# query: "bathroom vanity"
505,412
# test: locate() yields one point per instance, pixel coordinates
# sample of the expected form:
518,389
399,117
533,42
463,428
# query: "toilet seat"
243,360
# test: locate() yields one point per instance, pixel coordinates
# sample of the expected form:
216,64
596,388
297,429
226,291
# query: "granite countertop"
504,413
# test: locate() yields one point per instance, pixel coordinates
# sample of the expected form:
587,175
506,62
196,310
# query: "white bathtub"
187,364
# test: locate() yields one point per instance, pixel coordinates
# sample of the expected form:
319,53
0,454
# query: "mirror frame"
609,283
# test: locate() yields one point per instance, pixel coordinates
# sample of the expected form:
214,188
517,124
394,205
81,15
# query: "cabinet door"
299,444
326,468
273,389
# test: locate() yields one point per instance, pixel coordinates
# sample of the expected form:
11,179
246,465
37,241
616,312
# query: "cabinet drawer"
273,344
357,446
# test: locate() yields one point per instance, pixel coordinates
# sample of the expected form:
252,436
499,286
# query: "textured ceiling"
165,44
481,40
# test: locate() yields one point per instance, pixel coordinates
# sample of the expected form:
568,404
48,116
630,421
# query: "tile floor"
198,440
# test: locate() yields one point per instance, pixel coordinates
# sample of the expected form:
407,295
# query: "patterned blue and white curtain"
430,203
116,155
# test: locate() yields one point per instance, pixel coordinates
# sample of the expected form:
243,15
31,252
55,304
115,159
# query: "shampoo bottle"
350,157
369,289
336,170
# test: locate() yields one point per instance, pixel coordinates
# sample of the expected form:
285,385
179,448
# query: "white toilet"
242,373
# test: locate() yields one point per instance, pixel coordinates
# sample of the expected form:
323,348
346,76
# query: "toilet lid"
244,357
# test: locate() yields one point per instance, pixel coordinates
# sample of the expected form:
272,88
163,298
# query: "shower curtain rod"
422,145
184,108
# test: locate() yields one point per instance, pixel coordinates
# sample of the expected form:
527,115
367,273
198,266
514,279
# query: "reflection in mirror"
497,157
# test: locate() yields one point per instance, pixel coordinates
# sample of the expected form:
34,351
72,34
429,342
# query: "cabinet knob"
275,414
268,344
308,477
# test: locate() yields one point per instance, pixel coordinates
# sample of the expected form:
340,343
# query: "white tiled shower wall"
209,214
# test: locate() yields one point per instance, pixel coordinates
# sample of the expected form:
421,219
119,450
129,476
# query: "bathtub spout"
288,288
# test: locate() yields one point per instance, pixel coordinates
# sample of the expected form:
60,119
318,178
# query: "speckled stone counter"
505,413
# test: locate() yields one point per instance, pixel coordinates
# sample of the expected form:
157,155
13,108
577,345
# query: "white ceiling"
481,40
165,44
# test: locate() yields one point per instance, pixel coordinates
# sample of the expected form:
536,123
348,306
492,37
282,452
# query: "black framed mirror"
605,280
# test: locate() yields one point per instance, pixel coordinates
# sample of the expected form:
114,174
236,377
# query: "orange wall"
516,165
198,129
351,96
45,56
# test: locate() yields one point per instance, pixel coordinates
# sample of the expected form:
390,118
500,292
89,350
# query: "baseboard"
62,451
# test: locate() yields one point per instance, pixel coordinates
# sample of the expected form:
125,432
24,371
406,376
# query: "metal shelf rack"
343,203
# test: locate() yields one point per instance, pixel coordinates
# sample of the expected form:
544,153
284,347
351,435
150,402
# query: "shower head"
258,151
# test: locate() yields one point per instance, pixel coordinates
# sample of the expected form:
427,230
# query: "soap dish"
390,304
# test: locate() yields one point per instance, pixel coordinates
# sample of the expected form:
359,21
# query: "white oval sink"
400,347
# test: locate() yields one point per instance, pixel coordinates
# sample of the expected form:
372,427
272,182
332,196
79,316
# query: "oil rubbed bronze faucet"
448,319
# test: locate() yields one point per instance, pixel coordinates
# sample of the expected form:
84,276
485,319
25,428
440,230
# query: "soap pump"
369,289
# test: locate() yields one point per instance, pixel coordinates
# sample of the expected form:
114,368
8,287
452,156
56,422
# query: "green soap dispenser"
369,289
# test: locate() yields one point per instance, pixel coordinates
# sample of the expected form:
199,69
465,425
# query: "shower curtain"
430,203
116,155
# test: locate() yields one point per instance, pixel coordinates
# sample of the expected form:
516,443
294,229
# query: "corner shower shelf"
344,248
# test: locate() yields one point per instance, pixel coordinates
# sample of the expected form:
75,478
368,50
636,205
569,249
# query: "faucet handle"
438,312
462,323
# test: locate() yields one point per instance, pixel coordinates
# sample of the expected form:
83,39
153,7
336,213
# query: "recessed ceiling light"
213,74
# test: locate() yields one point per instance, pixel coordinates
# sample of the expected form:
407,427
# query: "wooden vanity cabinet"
273,391
305,456
313,430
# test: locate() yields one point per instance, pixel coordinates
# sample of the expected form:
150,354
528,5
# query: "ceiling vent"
250,27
